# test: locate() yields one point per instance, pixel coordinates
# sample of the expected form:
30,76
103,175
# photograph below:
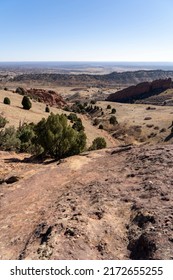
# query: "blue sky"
86,30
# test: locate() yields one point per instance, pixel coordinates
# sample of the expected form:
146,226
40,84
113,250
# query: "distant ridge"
113,79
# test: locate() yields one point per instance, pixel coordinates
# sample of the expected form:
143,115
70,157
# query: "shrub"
26,103
72,117
9,140
109,106
20,91
7,100
93,102
66,108
78,125
98,143
113,120
57,138
5,88
26,134
3,122
96,121
113,111
47,109
100,126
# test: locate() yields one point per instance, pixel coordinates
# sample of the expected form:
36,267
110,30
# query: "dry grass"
15,114
132,115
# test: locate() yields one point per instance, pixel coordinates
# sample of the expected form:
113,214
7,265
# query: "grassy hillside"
15,114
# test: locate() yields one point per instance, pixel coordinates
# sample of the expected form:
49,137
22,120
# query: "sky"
86,30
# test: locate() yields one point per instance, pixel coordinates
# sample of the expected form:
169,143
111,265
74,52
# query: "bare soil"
109,204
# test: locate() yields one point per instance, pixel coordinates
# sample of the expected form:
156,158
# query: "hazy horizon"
77,67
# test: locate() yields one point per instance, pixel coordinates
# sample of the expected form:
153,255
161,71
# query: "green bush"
100,126
3,122
96,121
7,100
57,138
9,140
72,117
78,125
113,120
20,91
109,106
113,111
93,102
47,109
26,103
98,143
26,134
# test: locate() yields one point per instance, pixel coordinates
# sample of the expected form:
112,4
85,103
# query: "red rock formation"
49,97
140,90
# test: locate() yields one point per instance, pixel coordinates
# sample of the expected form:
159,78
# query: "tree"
109,106
96,121
100,126
98,143
26,103
78,125
93,102
47,109
113,111
7,100
113,120
57,138
20,91
72,117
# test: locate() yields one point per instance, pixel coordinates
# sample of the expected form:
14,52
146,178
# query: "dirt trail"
108,204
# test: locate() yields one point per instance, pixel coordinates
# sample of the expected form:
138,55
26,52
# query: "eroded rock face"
49,97
140,91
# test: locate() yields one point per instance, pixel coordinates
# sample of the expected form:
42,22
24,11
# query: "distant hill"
112,79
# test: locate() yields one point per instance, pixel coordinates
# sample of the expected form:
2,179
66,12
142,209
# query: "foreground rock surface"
108,204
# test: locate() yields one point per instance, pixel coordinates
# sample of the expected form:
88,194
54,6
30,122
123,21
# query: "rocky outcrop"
140,91
49,97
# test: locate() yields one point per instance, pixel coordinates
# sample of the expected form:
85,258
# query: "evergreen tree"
26,103
57,138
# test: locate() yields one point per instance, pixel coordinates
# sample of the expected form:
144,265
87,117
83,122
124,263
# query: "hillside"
16,115
102,205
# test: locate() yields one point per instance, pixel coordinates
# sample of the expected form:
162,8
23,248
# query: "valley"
100,204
